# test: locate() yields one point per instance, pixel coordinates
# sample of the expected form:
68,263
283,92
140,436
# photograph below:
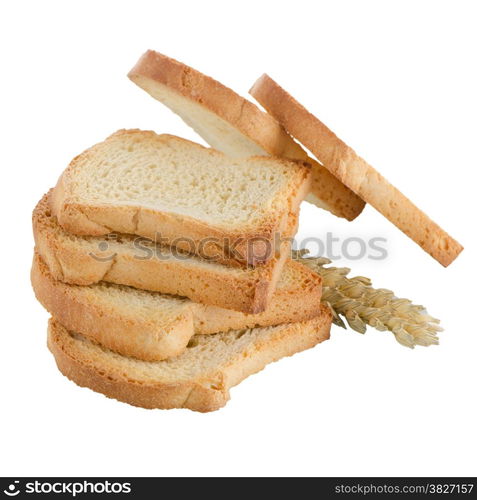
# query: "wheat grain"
356,301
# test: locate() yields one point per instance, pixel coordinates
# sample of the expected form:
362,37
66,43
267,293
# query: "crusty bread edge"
70,263
234,109
100,219
117,329
203,395
260,127
191,395
355,172
129,334
286,306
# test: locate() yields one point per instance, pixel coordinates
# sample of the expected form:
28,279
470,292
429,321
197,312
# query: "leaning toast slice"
234,125
182,194
199,379
356,173
153,326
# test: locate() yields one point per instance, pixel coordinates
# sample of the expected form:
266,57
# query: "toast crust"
356,173
86,310
252,245
80,261
99,370
156,72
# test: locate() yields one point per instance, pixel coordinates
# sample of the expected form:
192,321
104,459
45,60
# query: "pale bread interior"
234,125
216,131
168,174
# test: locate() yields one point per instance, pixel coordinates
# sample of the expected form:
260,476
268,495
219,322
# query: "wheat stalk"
355,300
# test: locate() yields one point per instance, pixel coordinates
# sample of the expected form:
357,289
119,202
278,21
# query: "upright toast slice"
153,326
191,197
234,125
199,379
356,173
141,263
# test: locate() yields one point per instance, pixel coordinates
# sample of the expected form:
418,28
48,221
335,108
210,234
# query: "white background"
397,81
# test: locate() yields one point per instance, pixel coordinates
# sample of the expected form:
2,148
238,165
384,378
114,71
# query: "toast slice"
140,263
356,173
199,379
234,125
185,195
153,326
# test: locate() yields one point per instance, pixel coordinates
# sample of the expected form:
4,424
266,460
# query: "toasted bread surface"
356,173
188,196
199,379
234,125
144,264
153,326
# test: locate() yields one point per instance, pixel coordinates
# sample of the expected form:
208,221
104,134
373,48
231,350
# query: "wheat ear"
355,300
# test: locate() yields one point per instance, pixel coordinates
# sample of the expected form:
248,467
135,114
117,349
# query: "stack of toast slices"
166,265
166,268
